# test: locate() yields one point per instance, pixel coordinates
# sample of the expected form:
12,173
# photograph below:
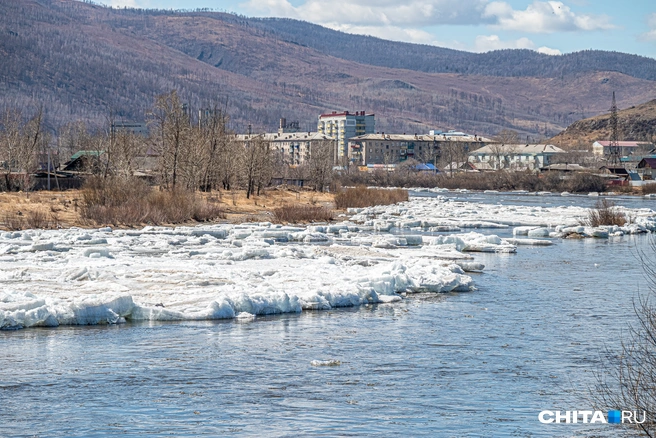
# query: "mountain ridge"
82,61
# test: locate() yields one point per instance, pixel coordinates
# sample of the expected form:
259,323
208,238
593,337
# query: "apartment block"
343,126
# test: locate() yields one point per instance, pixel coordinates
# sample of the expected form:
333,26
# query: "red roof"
624,144
345,113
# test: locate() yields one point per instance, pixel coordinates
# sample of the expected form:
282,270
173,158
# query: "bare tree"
627,379
20,144
452,154
256,164
320,164
173,129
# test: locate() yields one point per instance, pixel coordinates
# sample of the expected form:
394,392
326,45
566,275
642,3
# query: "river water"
483,363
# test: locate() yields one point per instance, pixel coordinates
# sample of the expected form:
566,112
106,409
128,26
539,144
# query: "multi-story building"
291,148
343,126
396,148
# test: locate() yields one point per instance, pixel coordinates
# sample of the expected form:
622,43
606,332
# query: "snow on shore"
100,276
105,276
440,214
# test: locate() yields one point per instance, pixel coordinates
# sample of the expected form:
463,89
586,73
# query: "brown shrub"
302,213
362,196
499,180
131,202
648,189
605,213
37,219
13,221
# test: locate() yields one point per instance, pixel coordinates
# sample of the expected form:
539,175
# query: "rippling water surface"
483,363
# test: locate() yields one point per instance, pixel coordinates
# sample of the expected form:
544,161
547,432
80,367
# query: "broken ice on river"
105,276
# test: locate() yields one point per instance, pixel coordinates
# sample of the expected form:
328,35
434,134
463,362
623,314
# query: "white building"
601,148
343,126
516,156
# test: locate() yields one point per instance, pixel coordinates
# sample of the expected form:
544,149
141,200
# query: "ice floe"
378,255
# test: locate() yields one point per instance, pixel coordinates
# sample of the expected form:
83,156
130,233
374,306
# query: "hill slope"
635,123
82,60
512,63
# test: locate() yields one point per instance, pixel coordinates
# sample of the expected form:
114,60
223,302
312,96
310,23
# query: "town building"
516,156
388,149
132,127
291,148
343,126
647,169
602,148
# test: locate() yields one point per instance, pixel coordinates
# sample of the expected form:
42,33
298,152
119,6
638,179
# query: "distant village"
357,143
347,142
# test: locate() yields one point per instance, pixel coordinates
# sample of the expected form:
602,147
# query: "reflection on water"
482,363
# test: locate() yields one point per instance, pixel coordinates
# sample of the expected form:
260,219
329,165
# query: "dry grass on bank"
43,209
362,196
302,213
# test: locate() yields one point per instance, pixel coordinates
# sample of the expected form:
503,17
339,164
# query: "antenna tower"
614,147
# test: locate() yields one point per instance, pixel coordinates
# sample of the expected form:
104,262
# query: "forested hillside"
513,63
84,62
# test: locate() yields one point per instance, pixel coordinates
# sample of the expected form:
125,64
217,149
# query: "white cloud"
123,3
393,33
376,12
538,17
544,17
486,43
548,51
651,22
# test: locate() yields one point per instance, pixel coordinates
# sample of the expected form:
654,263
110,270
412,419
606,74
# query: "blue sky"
550,27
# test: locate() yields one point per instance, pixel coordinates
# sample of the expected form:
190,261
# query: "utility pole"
613,148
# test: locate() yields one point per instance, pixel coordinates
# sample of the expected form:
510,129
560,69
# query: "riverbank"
51,210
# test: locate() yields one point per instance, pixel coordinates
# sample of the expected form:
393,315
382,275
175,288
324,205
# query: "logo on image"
592,417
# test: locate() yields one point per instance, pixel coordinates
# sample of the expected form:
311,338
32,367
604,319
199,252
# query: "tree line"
184,150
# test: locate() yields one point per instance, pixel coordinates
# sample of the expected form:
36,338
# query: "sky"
550,27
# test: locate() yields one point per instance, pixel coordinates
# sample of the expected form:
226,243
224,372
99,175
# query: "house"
602,148
647,169
615,175
515,156
83,161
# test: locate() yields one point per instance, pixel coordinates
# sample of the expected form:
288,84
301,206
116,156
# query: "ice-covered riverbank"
78,276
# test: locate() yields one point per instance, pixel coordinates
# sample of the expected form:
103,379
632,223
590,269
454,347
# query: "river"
480,363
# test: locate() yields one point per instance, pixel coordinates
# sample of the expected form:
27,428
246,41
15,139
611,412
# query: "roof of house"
286,136
345,113
79,154
651,162
421,137
564,167
615,170
425,166
482,166
624,144
518,149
